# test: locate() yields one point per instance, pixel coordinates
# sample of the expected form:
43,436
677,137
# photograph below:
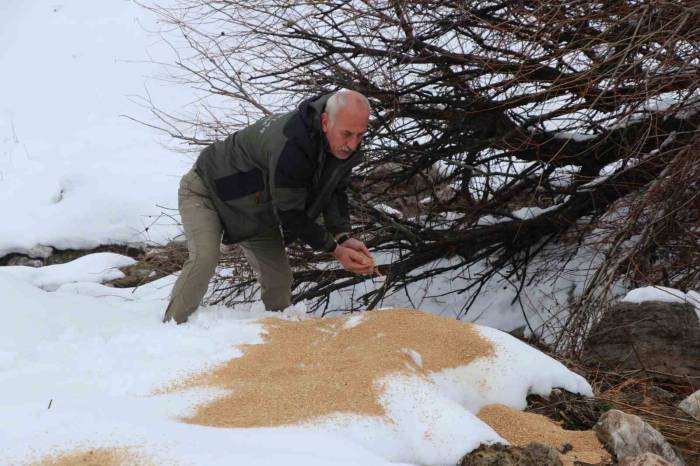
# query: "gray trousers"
203,230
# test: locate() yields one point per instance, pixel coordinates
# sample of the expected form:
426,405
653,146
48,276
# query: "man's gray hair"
343,98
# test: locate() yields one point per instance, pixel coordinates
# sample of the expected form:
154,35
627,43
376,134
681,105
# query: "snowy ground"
79,361
74,172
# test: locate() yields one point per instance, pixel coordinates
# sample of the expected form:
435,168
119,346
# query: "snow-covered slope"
74,172
83,366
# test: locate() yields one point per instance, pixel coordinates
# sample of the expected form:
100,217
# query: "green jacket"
278,170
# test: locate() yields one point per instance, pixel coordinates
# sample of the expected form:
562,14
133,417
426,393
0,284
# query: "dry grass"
634,393
153,264
655,403
641,397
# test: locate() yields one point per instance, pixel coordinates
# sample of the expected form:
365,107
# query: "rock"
25,261
138,274
535,454
40,252
628,436
34,257
647,459
659,394
691,405
662,340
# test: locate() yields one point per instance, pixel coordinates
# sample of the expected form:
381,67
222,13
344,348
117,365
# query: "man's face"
345,132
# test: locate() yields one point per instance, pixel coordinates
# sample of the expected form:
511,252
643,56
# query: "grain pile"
521,428
309,369
93,457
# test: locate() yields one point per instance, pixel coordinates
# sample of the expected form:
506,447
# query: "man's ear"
324,122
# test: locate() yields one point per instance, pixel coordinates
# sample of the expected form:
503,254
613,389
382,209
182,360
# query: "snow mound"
91,366
92,268
404,384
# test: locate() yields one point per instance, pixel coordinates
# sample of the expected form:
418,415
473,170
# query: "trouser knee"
203,263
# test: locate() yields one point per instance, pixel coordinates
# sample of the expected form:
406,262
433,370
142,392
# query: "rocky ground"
643,361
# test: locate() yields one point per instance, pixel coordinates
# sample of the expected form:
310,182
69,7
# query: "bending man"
284,170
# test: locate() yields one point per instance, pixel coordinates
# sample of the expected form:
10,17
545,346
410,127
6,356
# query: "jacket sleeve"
289,190
336,215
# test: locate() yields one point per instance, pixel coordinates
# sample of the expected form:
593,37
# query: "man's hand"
353,260
357,245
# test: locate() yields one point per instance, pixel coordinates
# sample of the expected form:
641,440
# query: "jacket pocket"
247,216
240,184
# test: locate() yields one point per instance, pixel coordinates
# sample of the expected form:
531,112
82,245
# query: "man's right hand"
353,261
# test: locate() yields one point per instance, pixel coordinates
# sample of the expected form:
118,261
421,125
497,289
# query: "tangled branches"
577,110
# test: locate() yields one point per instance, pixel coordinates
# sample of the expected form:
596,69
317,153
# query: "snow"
527,213
353,321
98,356
538,306
415,356
74,172
563,177
388,210
574,136
523,213
95,268
664,294
296,312
486,220
82,363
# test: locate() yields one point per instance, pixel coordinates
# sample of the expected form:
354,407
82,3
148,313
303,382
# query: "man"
284,170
